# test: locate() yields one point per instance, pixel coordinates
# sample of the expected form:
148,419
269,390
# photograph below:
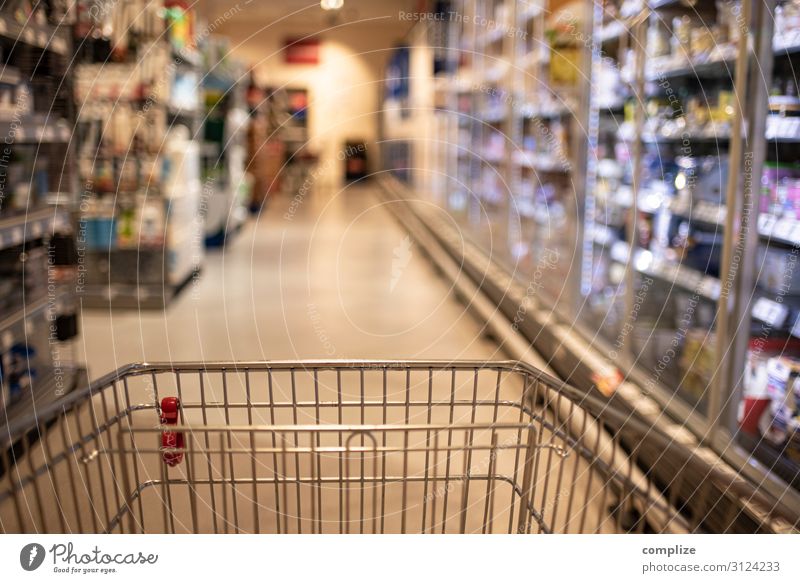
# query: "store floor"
335,277
331,277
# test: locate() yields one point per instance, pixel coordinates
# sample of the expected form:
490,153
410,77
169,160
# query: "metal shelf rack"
611,227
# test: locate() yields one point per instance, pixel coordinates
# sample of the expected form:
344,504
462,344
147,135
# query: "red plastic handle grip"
170,415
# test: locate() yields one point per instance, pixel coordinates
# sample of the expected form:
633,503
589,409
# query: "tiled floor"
336,278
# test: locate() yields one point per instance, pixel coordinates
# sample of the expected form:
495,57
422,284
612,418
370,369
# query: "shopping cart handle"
170,440
170,408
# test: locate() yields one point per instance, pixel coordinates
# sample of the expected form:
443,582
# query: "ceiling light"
331,4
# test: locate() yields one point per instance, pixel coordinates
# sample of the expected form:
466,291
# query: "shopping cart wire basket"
349,447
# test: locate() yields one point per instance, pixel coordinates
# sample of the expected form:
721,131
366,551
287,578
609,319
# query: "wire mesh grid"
329,447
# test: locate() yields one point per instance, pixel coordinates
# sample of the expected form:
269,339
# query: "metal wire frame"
340,446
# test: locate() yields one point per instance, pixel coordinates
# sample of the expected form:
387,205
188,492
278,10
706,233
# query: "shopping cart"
336,447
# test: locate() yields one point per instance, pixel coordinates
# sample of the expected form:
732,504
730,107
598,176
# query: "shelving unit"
45,34
224,150
632,231
680,145
613,157
289,111
500,101
549,155
770,308
38,262
140,114
278,150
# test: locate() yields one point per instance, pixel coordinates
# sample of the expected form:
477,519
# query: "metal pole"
731,248
509,129
762,58
584,169
640,40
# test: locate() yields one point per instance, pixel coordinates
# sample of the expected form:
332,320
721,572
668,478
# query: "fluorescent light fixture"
331,4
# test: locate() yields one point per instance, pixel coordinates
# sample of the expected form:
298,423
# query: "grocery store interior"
605,190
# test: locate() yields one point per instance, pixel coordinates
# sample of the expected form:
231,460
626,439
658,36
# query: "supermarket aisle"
332,276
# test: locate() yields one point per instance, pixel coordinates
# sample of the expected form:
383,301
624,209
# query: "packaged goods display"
611,148
770,408
38,312
137,92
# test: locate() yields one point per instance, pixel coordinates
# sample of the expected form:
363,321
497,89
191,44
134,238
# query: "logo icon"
31,556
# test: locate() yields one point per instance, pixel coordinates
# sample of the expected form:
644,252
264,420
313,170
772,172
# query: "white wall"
422,126
345,88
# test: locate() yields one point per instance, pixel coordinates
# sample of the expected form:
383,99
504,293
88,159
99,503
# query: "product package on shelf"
777,271
696,363
780,190
692,39
771,405
787,25
26,364
18,371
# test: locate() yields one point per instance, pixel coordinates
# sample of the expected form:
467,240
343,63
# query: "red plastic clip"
170,412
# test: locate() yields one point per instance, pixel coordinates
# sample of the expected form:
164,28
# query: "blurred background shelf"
600,171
